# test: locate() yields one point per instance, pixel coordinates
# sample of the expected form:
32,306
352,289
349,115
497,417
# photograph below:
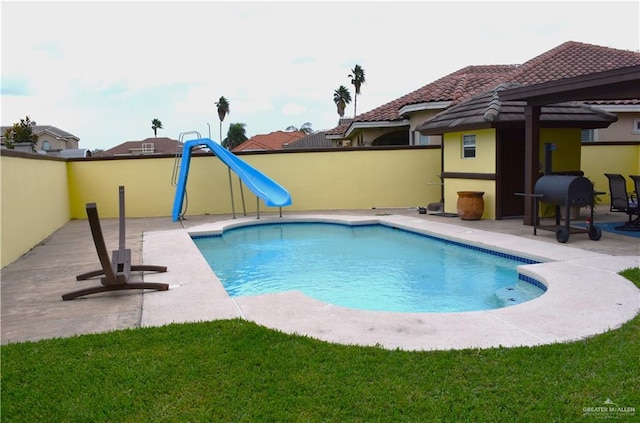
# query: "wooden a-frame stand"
117,270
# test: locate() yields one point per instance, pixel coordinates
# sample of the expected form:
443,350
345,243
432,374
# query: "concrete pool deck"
585,294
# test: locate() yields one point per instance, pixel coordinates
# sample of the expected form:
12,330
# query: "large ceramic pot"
470,205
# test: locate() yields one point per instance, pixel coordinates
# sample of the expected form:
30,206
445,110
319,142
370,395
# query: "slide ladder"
265,188
179,148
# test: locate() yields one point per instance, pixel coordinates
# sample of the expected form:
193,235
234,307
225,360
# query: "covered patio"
617,84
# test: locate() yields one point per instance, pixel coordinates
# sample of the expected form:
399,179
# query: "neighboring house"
395,123
627,128
272,141
53,141
149,146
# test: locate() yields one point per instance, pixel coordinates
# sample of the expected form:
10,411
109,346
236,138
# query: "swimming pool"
370,267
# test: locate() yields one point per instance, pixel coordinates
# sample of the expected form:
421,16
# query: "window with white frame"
468,146
46,146
636,126
586,135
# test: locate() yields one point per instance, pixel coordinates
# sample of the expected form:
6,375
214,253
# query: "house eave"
335,137
419,107
461,128
376,124
617,108
514,124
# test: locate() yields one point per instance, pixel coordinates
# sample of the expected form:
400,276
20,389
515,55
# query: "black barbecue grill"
566,191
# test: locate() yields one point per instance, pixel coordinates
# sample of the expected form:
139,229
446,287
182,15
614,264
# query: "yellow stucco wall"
484,162
147,182
34,203
319,180
452,186
39,196
356,179
598,159
566,156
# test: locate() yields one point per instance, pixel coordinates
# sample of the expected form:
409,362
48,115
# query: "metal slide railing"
176,167
264,187
176,174
178,158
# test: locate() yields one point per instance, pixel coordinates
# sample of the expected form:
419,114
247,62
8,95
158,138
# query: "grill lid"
557,189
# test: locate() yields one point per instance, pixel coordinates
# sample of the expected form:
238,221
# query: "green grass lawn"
234,370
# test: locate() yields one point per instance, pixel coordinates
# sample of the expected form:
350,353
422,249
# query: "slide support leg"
244,209
233,206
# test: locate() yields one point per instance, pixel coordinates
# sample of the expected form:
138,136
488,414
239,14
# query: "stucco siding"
35,203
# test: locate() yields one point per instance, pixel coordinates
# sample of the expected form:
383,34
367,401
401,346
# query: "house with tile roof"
395,123
483,138
276,140
52,141
488,145
146,147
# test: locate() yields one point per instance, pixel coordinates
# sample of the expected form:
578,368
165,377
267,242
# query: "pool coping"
585,295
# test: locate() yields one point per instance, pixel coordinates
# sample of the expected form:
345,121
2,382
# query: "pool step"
519,293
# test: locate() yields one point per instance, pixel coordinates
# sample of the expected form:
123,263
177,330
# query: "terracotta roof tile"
452,87
572,59
271,141
564,61
342,127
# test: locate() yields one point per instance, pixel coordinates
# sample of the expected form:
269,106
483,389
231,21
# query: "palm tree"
155,125
357,79
306,128
223,110
235,136
341,97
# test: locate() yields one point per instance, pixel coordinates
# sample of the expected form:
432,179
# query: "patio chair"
636,195
117,270
624,202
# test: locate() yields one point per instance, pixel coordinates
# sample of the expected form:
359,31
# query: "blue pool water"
371,267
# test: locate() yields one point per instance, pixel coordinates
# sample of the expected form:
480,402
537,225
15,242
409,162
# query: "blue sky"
104,70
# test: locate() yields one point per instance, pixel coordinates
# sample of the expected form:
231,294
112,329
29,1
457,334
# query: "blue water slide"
272,193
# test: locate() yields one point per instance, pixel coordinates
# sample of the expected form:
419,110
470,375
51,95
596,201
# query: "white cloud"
126,63
293,109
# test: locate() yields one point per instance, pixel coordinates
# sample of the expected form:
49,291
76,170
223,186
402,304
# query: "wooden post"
532,160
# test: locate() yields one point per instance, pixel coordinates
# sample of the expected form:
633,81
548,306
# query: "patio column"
532,160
